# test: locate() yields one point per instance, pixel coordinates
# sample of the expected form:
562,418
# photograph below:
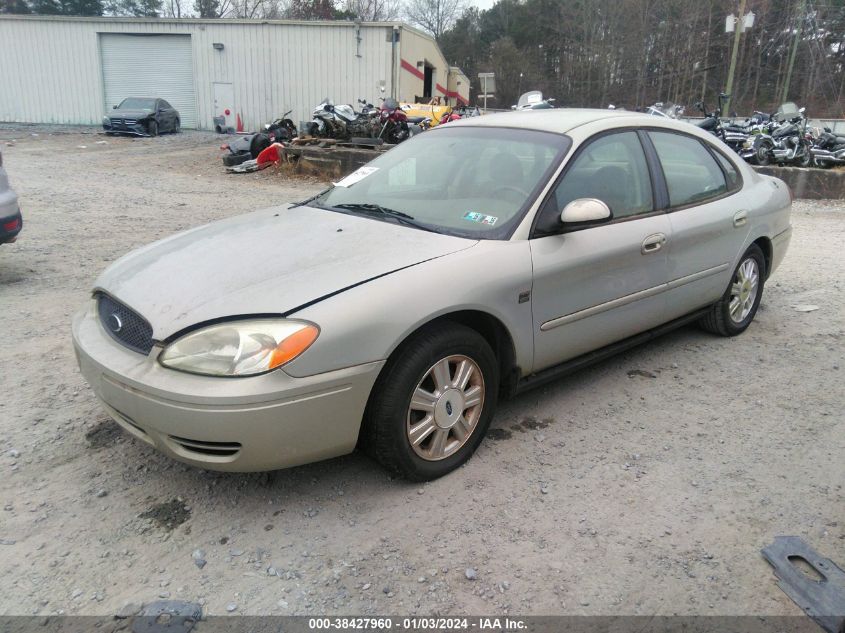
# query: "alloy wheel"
744,290
445,407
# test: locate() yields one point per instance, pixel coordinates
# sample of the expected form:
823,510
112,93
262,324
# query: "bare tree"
373,10
435,16
175,9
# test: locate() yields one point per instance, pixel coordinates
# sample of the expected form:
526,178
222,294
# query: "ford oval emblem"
115,324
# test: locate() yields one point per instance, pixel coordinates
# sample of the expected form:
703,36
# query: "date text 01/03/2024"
417,624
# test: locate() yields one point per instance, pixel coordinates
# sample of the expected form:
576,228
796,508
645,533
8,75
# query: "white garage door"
150,66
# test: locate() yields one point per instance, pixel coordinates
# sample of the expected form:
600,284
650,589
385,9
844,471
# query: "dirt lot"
645,485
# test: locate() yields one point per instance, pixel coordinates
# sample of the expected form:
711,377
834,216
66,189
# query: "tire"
230,160
762,154
391,415
177,127
722,319
806,158
259,143
152,128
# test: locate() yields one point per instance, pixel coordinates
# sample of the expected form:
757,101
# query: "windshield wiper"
375,208
367,207
307,200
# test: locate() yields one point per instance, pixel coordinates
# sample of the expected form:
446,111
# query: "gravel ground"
644,485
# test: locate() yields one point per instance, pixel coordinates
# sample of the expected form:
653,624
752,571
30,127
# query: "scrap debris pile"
390,123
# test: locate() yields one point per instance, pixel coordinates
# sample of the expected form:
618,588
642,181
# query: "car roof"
559,120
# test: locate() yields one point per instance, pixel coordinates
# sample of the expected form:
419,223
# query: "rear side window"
731,173
692,174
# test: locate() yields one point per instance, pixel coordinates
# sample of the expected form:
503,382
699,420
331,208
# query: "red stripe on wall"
420,75
413,70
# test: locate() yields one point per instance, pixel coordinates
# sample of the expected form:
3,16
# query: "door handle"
740,218
653,243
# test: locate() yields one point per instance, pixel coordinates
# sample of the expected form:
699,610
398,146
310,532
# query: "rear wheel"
433,402
733,313
806,157
177,127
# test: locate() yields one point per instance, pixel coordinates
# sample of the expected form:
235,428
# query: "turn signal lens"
240,348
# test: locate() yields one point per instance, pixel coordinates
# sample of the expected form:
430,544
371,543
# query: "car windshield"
468,181
137,104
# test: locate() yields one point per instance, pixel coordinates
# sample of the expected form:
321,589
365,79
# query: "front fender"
368,322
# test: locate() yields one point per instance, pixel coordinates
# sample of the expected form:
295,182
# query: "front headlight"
240,348
106,119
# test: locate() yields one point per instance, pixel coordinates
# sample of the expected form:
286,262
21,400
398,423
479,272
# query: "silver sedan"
394,310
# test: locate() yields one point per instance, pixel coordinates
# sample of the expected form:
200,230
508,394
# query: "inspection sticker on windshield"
356,176
480,218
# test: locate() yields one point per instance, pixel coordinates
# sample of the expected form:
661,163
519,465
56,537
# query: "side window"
611,168
692,174
734,181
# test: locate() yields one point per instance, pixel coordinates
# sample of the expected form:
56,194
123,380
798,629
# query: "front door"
599,285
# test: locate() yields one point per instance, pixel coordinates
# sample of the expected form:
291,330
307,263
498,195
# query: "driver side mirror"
114,107
585,212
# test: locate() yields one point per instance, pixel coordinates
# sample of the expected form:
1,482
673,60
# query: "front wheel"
762,155
432,404
152,128
733,313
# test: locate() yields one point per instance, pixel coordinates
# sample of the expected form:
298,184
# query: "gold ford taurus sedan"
393,310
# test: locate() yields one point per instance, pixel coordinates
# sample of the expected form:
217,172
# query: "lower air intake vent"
213,449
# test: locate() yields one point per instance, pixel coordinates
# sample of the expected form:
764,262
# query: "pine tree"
14,6
207,8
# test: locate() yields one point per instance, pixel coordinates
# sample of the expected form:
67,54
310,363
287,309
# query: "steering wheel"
503,188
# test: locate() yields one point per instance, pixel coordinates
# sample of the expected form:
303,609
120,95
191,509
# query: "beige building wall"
51,67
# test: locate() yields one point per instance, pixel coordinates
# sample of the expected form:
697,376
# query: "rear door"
599,285
708,217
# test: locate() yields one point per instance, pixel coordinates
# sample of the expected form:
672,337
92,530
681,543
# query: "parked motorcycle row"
781,138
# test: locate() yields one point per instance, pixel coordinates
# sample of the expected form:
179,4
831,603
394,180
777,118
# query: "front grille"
123,121
125,325
211,449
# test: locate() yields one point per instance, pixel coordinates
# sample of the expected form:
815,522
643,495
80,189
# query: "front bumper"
138,128
233,424
11,221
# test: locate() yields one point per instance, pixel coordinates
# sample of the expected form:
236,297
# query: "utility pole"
738,27
793,51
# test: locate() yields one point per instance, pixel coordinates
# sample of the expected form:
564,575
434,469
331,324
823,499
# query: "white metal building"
73,70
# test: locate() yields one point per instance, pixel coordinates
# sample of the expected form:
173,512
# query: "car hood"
131,114
268,262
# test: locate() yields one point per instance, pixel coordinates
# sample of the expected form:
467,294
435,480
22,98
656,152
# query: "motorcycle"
788,142
669,110
828,149
282,129
533,100
734,136
339,122
396,126
249,146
